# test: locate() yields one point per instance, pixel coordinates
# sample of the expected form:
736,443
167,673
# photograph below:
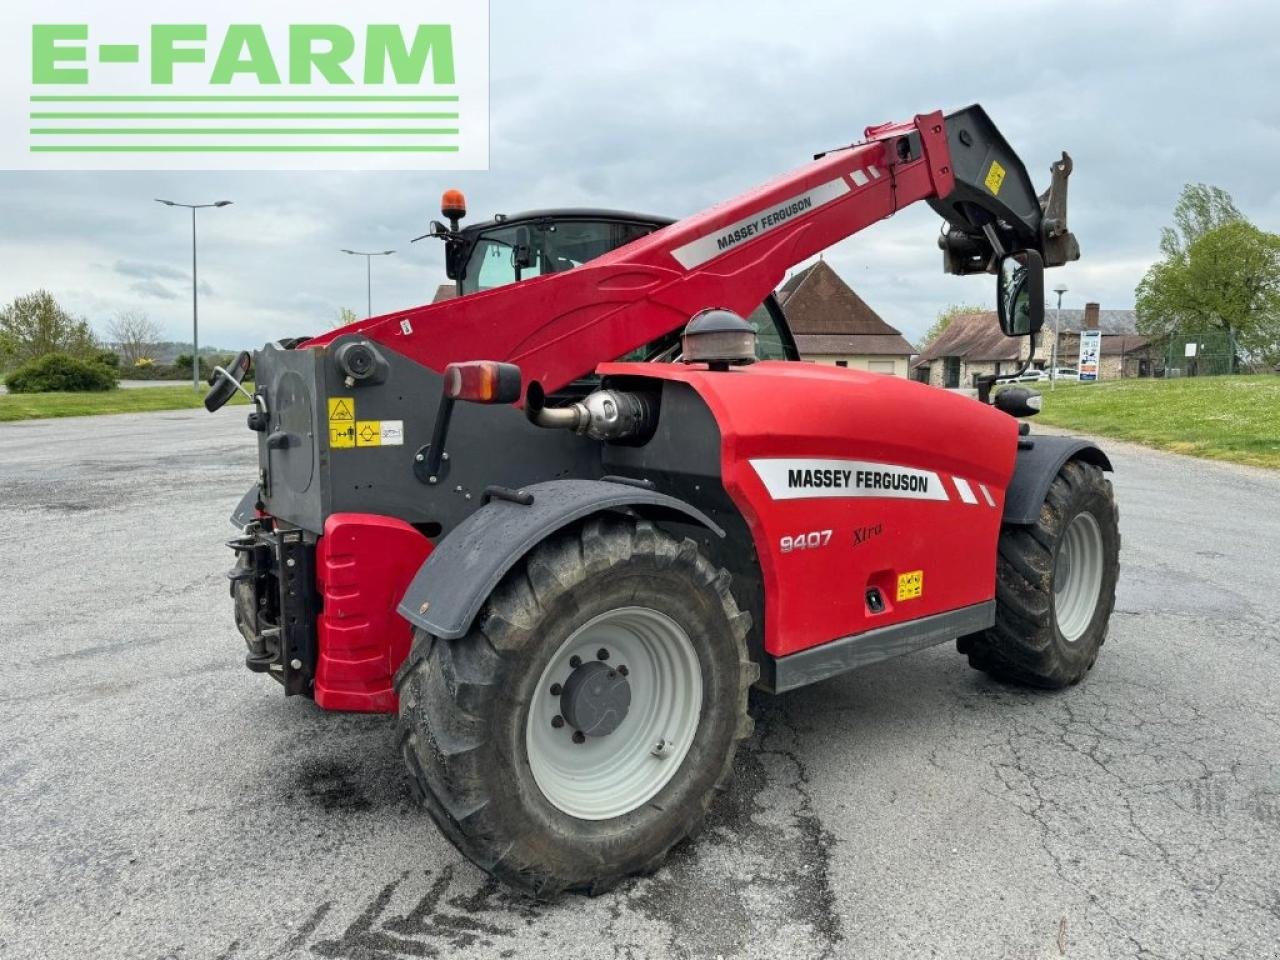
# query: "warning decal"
372,433
342,435
910,585
391,433
369,433
346,432
995,177
342,422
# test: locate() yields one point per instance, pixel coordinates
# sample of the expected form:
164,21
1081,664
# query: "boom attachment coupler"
994,200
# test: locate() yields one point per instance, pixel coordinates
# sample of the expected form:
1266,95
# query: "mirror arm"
993,238
985,384
221,372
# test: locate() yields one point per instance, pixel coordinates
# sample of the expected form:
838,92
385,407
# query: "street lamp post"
368,273
1060,289
195,297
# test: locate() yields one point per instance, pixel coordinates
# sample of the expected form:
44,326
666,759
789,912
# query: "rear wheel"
586,722
1055,586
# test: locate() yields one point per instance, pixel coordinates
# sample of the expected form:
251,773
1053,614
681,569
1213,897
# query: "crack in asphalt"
763,859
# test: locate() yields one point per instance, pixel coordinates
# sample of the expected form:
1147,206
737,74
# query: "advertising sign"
142,85
1090,350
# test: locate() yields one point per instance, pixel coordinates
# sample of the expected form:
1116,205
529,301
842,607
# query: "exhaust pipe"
602,415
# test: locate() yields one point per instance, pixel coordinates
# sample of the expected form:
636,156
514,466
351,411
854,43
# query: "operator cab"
518,247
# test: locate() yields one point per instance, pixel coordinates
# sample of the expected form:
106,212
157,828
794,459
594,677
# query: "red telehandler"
563,521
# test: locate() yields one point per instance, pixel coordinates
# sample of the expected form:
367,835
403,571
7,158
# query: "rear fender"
463,569
247,509
1038,463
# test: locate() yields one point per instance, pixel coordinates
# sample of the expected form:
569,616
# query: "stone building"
973,345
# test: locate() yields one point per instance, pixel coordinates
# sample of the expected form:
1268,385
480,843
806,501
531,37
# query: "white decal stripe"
987,493
965,491
723,239
798,479
859,178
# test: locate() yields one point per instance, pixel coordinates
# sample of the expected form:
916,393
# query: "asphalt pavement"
159,801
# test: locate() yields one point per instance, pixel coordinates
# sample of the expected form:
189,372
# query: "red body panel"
801,410
363,566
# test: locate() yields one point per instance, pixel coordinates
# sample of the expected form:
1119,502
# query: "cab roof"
568,213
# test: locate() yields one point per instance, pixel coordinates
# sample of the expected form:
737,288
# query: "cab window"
522,251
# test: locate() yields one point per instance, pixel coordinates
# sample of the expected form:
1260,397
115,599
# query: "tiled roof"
974,336
1109,321
817,301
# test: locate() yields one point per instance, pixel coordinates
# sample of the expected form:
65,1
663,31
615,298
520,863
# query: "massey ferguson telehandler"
563,521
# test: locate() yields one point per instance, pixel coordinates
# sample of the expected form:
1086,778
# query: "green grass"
37,406
1219,418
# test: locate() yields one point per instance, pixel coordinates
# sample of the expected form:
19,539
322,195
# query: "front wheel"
1055,586
584,725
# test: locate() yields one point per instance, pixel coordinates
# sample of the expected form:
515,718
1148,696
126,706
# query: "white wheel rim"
1077,576
611,775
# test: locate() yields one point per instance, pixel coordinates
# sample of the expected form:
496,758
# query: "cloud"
686,106
153,288
148,271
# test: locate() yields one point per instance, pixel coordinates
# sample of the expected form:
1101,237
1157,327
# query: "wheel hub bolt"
575,661
602,654
622,669
555,689
557,721
579,737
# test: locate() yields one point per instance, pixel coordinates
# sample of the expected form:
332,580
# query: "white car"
1027,376
1064,373
1040,376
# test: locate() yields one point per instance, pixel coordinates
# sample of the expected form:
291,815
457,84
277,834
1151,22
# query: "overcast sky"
670,107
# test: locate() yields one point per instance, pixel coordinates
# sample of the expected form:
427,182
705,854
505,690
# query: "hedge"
57,372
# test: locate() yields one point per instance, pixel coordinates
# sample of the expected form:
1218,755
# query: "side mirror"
522,250
224,383
454,264
1020,293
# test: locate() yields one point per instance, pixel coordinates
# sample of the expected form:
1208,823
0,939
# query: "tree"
135,336
1219,273
345,316
1199,209
35,325
944,318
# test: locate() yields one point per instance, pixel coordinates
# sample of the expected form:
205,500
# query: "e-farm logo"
403,86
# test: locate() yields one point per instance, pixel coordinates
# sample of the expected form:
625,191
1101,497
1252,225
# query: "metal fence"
1200,354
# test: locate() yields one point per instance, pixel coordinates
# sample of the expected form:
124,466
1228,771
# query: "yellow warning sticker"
342,435
342,408
910,585
369,433
995,177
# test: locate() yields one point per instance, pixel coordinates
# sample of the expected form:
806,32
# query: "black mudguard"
463,569
1039,460
246,509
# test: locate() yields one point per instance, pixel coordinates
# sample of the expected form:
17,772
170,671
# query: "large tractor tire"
584,725
1055,586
